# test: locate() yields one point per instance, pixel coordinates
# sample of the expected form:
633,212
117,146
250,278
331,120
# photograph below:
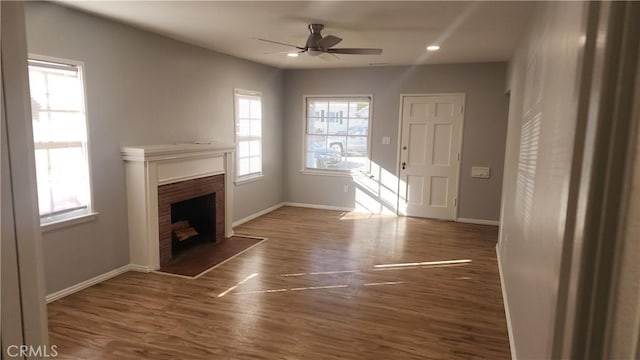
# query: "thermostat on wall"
480,172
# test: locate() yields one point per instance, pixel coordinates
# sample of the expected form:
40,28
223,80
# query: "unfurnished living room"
320,180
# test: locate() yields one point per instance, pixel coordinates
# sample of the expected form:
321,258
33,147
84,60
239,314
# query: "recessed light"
433,48
292,54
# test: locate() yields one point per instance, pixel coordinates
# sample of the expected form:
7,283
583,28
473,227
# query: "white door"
430,154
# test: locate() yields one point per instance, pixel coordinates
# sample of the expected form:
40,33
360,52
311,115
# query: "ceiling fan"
318,45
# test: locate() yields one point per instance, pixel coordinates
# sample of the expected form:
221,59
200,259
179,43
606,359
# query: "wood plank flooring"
325,285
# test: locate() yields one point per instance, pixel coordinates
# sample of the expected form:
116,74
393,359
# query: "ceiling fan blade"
327,42
329,57
355,51
285,52
279,43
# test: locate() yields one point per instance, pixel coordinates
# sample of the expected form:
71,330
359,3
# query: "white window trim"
64,223
255,176
337,172
89,214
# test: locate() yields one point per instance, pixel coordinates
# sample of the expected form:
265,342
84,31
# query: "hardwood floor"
326,285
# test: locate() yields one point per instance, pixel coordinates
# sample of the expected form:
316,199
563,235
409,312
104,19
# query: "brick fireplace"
182,191
160,176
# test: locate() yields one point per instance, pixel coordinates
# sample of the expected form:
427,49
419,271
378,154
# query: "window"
60,140
248,114
337,133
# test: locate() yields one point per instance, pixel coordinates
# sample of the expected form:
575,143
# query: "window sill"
249,179
344,173
64,223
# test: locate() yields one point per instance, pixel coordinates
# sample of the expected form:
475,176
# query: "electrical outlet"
386,140
346,188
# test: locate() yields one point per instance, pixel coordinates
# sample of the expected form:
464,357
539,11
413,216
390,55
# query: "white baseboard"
512,344
139,268
85,284
258,214
478,221
315,206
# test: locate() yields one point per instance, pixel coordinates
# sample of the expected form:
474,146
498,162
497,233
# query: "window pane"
316,126
67,92
243,108
337,118
255,164
44,190
357,146
337,144
243,166
62,179
244,127
318,109
243,149
319,154
255,148
38,88
256,128
358,127
358,109
41,132
255,109
67,127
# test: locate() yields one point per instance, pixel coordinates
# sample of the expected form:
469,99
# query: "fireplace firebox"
192,222
190,211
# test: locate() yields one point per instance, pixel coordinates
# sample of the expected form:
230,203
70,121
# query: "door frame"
399,148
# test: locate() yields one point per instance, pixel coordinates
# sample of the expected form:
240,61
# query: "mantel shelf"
174,151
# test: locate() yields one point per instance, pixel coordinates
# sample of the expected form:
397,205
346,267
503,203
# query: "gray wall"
485,127
542,122
141,89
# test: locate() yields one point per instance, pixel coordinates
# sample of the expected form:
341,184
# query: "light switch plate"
480,172
386,140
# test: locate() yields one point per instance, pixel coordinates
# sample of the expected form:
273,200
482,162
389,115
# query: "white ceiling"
466,31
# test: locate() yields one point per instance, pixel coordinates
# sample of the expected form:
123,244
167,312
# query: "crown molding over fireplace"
150,166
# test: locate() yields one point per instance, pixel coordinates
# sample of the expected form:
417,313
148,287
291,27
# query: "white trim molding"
512,344
95,280
258,214
478,221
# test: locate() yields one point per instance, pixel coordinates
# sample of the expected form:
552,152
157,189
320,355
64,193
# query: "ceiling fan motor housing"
313,38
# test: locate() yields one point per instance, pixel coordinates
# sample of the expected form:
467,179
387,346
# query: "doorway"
430,151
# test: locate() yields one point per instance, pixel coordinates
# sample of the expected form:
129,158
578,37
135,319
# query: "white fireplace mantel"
149,166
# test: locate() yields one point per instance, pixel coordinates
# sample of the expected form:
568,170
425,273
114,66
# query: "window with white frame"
337,133
60,140
248,116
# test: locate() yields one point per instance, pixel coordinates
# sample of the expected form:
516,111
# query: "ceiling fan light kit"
317,45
